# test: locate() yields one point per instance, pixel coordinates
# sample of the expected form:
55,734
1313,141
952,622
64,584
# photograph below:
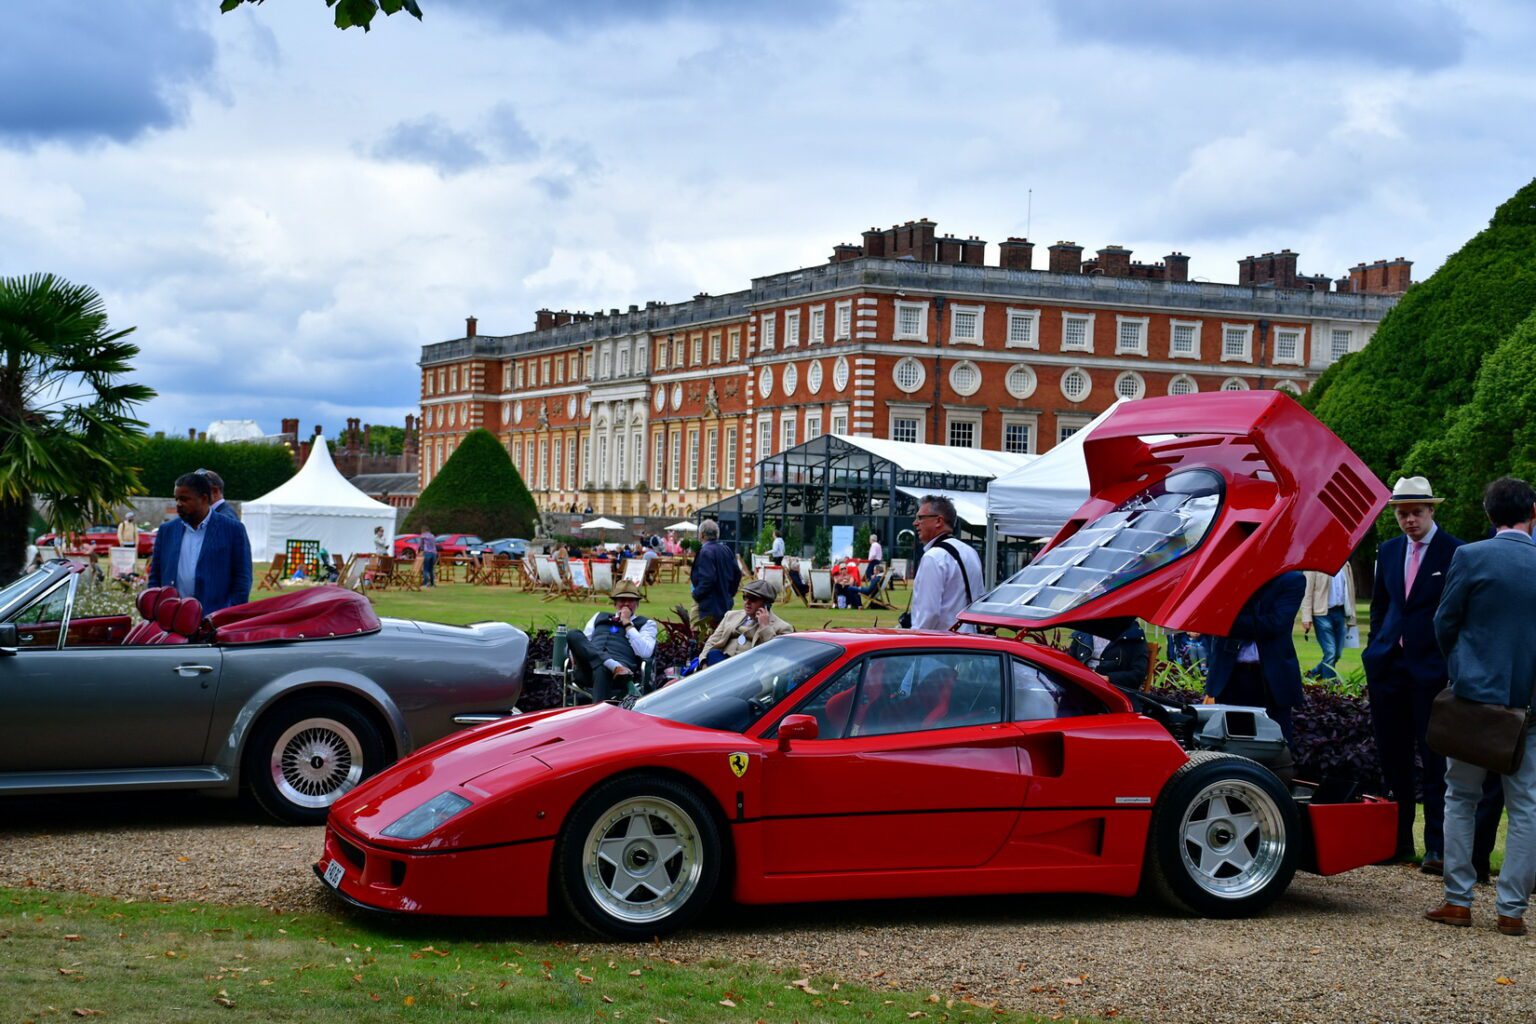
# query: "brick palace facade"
662,409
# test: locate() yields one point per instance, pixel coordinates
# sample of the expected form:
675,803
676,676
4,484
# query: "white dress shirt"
191,551
1408,550
876,553
938,592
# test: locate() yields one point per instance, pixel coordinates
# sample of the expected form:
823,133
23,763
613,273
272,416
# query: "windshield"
738,691
1144,533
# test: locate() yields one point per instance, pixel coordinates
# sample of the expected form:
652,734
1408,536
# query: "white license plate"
334,873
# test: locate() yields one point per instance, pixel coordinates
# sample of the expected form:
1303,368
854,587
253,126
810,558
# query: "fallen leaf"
182,860
607,999
410,1000
81,1011
635,973
1503,980
915,1014
71,938
728,1004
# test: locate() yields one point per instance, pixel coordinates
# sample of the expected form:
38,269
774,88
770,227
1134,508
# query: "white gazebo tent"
317,503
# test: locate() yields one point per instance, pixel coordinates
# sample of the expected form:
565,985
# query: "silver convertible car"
298,698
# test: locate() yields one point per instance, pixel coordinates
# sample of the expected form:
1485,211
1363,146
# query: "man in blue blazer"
201,553
1487,630
220,506
1403,666
1255,664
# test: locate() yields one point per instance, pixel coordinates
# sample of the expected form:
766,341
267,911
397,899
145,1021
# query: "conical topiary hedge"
477,491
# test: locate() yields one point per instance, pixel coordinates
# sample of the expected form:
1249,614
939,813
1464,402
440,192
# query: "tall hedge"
1489,436
477,491
249,470
1424,359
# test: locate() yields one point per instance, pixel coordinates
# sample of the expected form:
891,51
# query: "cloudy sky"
287,212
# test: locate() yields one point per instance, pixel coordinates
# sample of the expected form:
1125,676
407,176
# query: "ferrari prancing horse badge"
738,762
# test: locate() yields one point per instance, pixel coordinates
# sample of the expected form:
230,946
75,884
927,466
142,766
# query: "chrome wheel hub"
315,761
642,860
1232,839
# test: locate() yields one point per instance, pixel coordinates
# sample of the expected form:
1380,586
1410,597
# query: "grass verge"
69,956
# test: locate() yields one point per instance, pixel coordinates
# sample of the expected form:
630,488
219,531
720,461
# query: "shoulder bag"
1490,736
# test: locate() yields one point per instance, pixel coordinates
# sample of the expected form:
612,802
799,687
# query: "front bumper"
498,881
1347,836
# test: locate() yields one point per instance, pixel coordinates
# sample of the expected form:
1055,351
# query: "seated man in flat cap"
608,652
743,630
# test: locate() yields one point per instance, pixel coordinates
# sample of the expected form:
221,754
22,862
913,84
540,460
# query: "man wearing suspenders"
949,576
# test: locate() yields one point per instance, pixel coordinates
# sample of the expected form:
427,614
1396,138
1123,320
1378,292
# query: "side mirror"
797,727
8,638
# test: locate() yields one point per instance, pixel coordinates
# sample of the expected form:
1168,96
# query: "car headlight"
427,817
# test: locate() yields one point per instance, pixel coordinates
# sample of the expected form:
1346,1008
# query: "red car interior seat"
148,602
936,692
180,621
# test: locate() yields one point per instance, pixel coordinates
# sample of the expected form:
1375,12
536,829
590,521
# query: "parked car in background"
513,547
449,545
98,539
297,698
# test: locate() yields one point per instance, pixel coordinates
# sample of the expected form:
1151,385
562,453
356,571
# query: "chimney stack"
1016,254
1066,258
842,252
1114,261
291,427
1176,267
874,243
543,320
469,326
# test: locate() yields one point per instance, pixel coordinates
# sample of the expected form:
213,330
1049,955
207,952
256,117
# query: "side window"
928,691
833,703
38,624
1038,696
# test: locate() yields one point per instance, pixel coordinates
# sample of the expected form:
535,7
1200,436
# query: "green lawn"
65,956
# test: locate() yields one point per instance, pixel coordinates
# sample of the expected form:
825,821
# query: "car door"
914,768
82,708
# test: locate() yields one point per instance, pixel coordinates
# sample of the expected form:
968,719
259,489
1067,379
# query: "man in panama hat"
1403,665
608,652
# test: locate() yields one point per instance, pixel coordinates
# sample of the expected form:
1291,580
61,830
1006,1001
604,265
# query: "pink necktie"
1413,568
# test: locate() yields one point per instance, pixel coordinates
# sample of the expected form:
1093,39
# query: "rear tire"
304,756
639,857
1225,837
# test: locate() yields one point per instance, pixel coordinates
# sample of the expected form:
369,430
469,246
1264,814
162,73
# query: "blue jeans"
1463,790
429,570
1330,637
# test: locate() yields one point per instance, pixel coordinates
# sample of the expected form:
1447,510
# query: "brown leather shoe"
1511,925
1451,914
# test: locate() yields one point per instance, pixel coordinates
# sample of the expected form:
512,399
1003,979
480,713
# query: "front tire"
1225,837
639,857
305,755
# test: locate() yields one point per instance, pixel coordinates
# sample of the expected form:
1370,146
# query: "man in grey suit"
1486,628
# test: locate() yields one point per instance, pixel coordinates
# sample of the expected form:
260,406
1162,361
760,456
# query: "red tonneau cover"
310,614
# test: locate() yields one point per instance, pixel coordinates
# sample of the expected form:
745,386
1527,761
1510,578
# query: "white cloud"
280,257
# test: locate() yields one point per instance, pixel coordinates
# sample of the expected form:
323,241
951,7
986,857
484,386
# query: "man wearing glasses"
949,576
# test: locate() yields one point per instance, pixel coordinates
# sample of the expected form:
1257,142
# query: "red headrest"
165,611
149,600
189,615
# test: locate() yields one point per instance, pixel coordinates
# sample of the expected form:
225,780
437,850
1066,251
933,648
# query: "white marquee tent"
317,503
1037,500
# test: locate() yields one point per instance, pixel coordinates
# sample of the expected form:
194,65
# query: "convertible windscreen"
1144,533
736,692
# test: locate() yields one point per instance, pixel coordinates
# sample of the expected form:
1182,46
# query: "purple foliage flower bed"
1333,736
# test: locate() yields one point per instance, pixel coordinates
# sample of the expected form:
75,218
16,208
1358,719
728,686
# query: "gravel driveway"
1345,949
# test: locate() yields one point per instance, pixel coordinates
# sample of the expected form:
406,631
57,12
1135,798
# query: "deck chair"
636,571
380,572
352,572
602,579
274,573
898,572
881,598
407,575
527,574
822,593
580,571
551,578
773,574
496,569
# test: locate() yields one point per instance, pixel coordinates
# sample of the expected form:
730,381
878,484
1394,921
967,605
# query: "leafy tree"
1491,435
822,546
350,13
1424,358
249,470
67,429
477,491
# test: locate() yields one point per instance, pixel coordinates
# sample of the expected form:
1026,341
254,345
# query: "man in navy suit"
220,506
1403,665
201,553
1255,664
